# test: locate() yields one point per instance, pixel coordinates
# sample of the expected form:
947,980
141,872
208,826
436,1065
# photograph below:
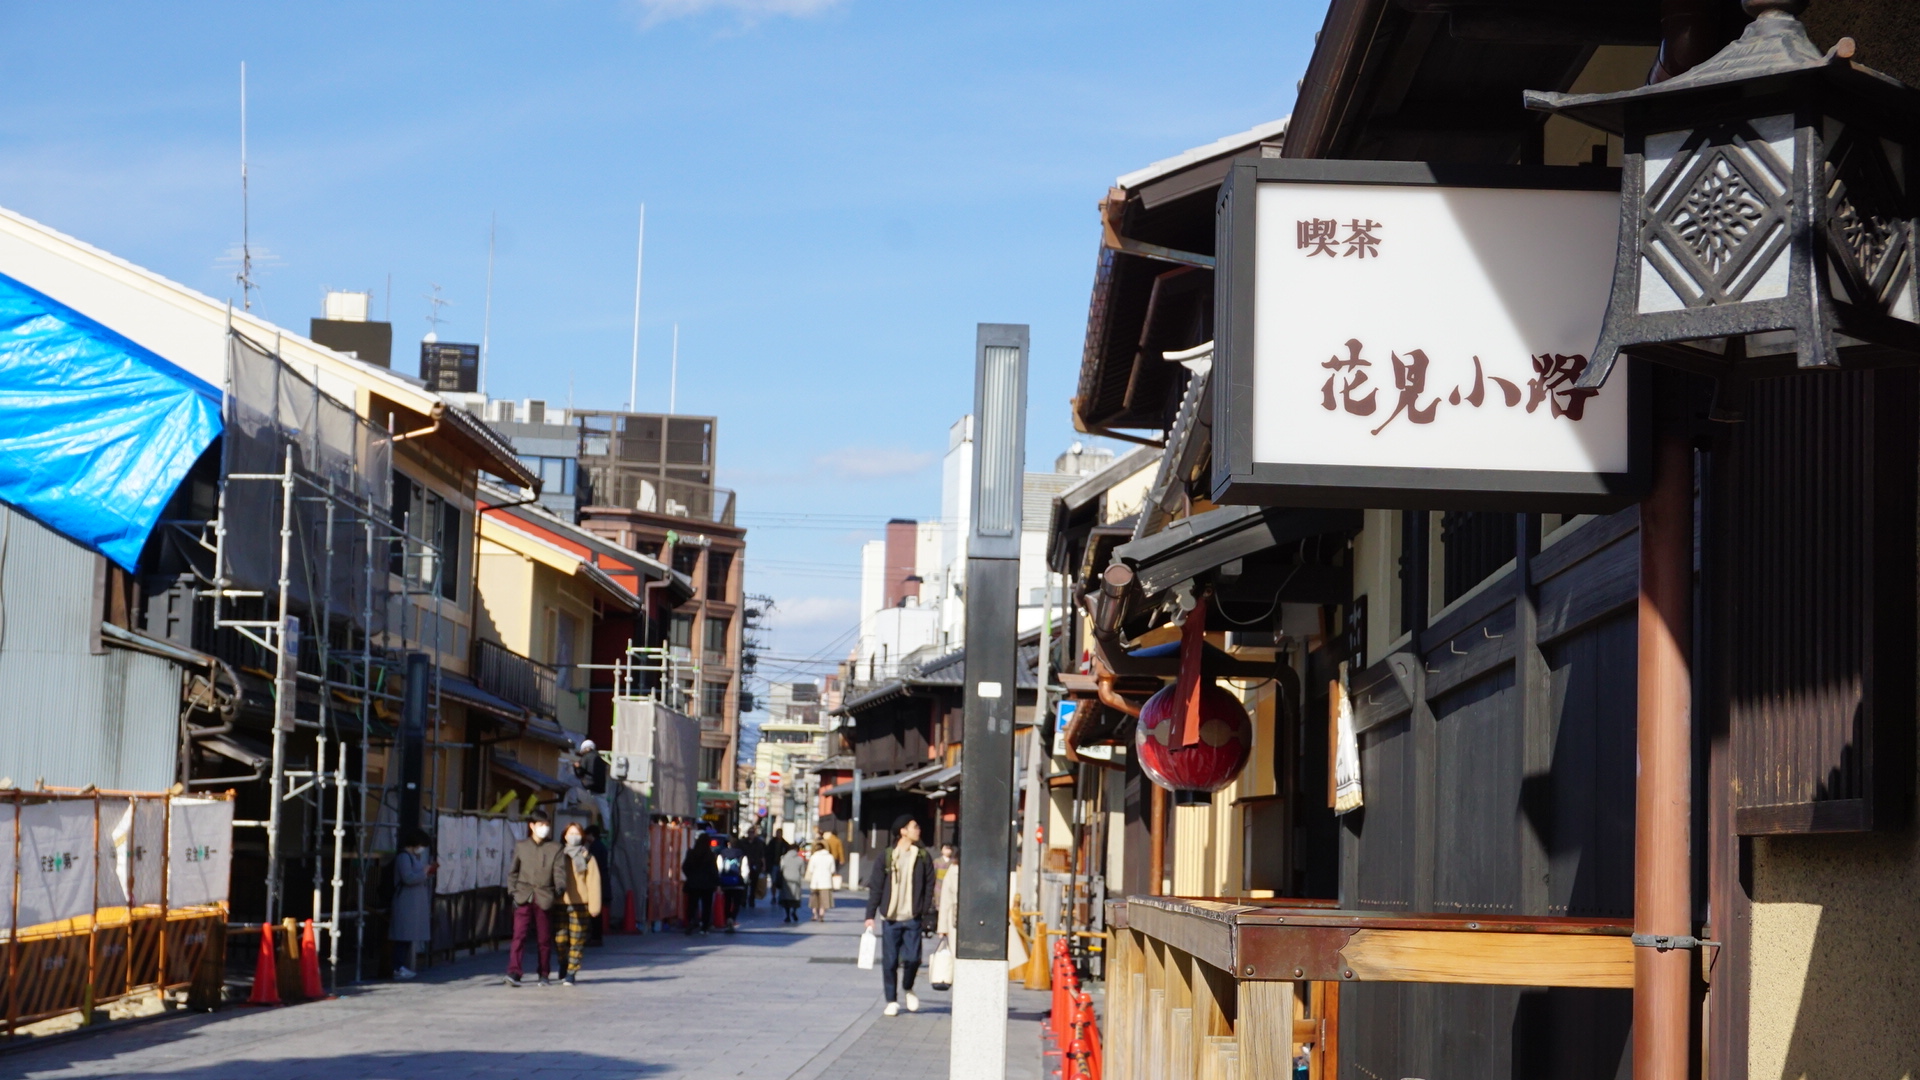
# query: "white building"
898,627
792,739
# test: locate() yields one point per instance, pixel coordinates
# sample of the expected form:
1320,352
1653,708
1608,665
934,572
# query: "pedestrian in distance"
948,918
820,871
597,847
790,883
579,901
535,883
411,924
755,847
699,877
900,894
734,870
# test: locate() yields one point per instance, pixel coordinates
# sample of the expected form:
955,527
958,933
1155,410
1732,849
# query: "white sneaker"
403,973
892,1009
913,1003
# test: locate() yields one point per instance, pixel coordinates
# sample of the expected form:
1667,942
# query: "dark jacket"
699,869
880,885
538,876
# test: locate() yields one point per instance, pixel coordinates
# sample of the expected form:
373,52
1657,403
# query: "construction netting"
271,410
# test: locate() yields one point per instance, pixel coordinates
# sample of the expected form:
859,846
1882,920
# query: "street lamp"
978,1050
1767,209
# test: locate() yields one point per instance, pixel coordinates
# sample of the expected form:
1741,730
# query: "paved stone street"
769,1002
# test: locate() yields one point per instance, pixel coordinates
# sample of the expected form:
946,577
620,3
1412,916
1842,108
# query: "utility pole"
639,264
979,1044
486,317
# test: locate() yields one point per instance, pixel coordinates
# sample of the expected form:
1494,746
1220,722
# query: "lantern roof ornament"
1774,46
1770,198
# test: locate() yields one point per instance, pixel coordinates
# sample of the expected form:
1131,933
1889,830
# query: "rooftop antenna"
673,379
639,264
245,276
486,318
436,302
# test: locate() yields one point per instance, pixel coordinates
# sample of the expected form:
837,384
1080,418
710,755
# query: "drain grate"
831,960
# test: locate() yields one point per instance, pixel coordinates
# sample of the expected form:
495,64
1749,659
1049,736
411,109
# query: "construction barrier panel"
108,894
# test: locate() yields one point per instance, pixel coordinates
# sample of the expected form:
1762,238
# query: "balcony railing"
524,681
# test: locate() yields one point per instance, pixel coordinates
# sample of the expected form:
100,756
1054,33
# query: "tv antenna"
245,276
435,302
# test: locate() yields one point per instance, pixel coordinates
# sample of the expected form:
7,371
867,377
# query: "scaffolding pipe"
284,693
339,852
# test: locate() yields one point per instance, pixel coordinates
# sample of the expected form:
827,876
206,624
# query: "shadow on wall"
1836,958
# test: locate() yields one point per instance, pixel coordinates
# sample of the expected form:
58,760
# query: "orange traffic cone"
266,977
628,923
310,986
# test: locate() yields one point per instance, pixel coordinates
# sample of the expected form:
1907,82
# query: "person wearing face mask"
535,881
579,902
411,922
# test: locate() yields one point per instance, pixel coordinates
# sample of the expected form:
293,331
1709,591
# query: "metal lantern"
1767,209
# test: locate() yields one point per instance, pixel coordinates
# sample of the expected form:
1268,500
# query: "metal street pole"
979,1040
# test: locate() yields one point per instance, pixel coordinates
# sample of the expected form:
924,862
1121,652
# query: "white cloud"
871,463
654,12
834,611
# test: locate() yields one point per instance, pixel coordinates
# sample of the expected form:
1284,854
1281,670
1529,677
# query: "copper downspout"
1662,879
1663,1006
1157,840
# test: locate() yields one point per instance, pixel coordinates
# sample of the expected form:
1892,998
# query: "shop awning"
466,693
940,781
888,782
533,779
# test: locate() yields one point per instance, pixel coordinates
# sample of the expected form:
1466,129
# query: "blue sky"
836,190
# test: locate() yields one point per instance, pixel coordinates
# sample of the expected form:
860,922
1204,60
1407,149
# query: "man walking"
699,877
900,890
535,881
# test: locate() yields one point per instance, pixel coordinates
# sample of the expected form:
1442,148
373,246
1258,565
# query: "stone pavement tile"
654,1007
649,1006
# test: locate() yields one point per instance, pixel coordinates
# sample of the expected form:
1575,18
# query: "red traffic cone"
628,925
310,985
266,977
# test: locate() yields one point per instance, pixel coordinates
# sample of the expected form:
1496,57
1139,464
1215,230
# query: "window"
556,473
716,638
686,558
680,630
719,569
565,627
713,700
426,519
1475,544
711,758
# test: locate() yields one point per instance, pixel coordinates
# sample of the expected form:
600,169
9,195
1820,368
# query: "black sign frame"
1239,479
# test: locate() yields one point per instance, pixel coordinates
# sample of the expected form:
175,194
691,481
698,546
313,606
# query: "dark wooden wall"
1498,755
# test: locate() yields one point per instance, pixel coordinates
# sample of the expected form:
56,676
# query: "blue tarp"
96,431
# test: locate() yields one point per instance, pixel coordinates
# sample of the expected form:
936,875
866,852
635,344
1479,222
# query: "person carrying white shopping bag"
940,968
900,892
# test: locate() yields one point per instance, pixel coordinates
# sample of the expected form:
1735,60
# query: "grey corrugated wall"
67,716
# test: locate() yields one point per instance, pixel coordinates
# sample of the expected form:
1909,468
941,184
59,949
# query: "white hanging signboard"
1402,335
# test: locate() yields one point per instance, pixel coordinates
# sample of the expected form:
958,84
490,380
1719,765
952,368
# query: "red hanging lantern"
1211,761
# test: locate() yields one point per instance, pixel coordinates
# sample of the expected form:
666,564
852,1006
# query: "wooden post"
1264,1029
1662,901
